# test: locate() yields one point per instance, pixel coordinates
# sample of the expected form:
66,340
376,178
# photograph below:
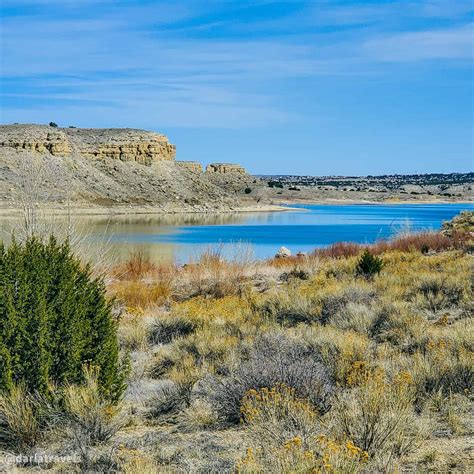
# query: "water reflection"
183,236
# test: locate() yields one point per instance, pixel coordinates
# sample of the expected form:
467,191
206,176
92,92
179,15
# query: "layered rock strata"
190,165
121,144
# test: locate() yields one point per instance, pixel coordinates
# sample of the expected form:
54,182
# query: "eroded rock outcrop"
105,167
190,165
223,168
121,144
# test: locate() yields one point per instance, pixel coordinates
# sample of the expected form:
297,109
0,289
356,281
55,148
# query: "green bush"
369,265
248,190
54,319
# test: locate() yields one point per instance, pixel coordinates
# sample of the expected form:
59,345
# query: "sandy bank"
77,210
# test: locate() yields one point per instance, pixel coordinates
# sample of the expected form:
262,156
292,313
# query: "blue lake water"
308,227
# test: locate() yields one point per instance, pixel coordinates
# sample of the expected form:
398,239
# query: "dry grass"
90,417
20,427
328,372
394,352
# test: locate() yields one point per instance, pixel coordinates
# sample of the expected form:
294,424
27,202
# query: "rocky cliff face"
190,165
121,144
105,167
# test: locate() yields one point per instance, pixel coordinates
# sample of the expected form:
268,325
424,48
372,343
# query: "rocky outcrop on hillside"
110,167
225,168
121,144
191,165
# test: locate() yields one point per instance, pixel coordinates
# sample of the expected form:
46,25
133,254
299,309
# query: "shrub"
140,294
54,317
138,264
378,416
160,365
323,455
214,276
295,274
452,410
420,241
248,190
273,360
92,418
357,317
463,222
442,368
133,331
339,351
439,292
286,435
165,330
369,265
290,308
277,415
200,415
394,324
168,400
20,427
334,305
339,249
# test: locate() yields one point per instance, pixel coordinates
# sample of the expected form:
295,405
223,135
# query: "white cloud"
454,43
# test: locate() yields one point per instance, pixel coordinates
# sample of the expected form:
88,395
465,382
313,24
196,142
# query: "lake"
181,237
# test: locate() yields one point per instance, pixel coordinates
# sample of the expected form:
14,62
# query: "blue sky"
304,87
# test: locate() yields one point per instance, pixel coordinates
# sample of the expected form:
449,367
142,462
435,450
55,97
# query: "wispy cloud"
191,64
452,43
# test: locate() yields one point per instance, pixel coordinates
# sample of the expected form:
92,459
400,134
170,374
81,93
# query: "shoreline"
342,202
283,206
112,211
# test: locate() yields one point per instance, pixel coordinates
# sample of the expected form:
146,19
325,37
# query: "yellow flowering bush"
287,435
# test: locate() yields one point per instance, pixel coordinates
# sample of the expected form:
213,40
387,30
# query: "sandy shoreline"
284,206
138,210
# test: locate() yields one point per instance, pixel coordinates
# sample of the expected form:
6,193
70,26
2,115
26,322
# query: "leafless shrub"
32,174
138,264
393,323
274,359
165,329
440,293
333,305
38,220
339,250
289,309
168,400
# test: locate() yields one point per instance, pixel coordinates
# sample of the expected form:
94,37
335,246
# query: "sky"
318,87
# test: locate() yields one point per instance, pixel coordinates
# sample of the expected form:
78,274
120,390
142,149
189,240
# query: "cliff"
110,167
122,144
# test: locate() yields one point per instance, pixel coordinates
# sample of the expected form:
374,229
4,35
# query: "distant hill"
110,167
128,168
